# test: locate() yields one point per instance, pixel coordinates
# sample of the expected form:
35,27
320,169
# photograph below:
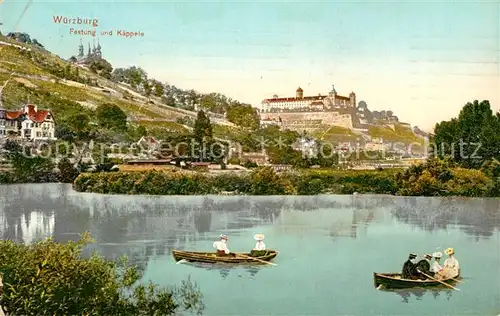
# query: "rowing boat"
211,257
394,280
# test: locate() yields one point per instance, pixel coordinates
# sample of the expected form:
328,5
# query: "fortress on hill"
312,112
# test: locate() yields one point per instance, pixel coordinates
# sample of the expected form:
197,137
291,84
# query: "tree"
265,181
73,59
202,127
31,168
80,124
50,278
67,172
158,88
472,138
147,88
243,115
111,116
101,67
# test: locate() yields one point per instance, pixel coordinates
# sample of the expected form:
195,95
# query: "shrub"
67,172
432,179
49,278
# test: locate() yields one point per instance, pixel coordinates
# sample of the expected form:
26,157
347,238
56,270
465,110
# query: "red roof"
37,116
12,115
315,98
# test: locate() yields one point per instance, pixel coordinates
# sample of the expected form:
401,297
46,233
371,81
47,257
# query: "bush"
49,278
432,179
67,172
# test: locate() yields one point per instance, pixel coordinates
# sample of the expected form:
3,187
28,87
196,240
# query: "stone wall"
299,119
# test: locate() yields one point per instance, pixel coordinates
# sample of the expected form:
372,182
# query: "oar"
253,258
448,285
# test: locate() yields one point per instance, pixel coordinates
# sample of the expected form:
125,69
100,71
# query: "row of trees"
239,113
471,139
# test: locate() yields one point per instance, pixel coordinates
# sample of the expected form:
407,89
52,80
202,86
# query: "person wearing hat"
260,247
409,267
424,267
221,246
451,265
436,267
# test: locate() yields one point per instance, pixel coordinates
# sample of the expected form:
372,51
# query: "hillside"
38,76
29,73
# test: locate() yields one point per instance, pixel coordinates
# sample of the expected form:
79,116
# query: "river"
329,245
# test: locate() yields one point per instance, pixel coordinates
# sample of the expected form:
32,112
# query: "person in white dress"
451,265
260,243
436,267
221,246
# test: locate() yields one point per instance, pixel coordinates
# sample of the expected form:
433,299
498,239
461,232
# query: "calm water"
329,246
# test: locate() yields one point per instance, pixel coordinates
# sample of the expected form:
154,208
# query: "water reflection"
142,227
226,270
479,218
418,293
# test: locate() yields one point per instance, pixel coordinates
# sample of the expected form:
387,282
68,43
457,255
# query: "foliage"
111,116
202,145
243,115
49,278
438,177
67,172
265,181
202,127
471,139
101,67
29,167
261,181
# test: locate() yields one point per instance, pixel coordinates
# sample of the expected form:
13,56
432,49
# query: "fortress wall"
326,117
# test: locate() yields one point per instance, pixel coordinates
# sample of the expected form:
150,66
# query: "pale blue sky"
421,60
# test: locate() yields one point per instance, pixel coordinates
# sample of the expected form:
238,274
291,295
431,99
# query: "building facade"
301,103
27,123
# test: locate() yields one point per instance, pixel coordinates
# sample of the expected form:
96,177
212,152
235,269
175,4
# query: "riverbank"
434,178
260,182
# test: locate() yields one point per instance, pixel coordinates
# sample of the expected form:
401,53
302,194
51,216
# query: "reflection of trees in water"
476,217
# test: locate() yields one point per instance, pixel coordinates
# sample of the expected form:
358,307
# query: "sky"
421,60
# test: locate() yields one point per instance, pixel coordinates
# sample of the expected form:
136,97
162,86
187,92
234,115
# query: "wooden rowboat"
211,257
394,280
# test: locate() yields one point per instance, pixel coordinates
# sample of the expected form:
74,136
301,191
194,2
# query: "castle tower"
352,99
333,93
299,93
98,50
80,50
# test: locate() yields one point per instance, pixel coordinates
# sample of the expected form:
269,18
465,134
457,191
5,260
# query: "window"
37,134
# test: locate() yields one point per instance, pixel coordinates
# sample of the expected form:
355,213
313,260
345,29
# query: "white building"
310,103
27,123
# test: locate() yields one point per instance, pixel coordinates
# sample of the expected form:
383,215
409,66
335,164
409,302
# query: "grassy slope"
400,134
334,134
29,80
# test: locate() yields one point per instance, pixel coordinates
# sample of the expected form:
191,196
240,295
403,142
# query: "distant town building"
28,123
308,103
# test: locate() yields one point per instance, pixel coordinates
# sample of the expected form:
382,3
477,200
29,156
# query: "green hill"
37,76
